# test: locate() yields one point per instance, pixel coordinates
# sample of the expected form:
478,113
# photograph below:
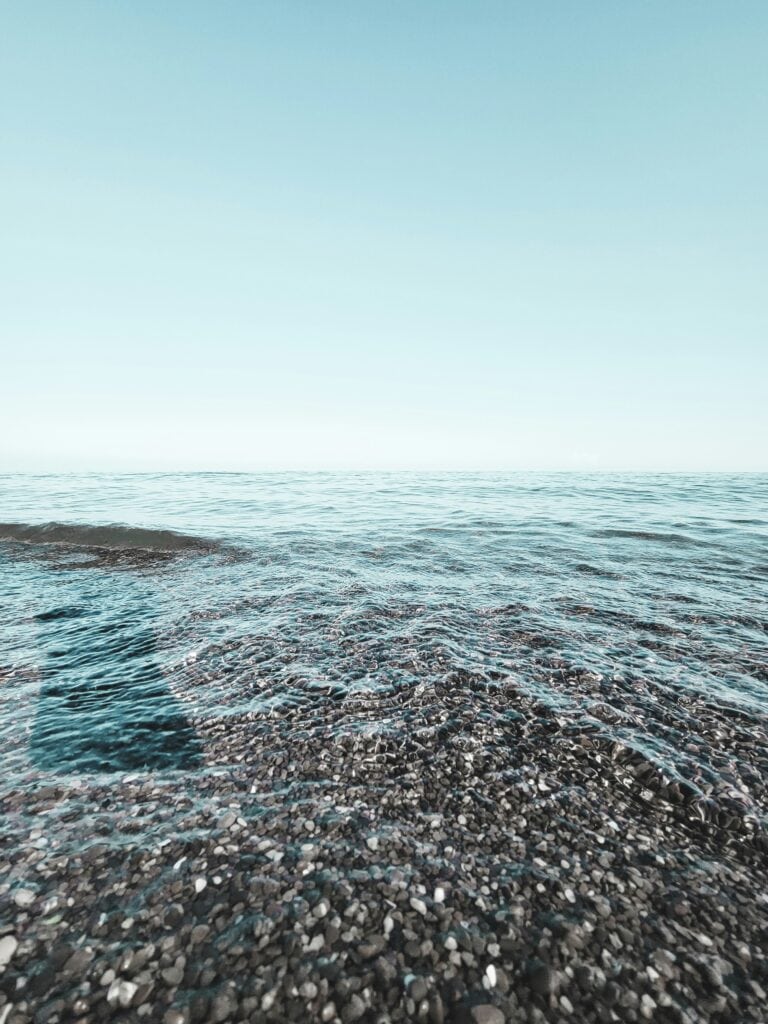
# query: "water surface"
159,608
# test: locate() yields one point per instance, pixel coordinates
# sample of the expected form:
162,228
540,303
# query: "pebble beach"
397,800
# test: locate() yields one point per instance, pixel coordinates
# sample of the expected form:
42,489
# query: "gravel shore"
489,862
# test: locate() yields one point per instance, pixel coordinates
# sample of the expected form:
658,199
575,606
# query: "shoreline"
474,869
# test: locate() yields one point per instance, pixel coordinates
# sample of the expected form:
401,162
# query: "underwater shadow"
104,704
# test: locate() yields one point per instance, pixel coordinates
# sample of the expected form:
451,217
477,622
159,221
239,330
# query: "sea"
142,616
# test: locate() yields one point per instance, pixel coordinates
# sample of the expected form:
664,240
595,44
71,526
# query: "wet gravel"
441,748
494,862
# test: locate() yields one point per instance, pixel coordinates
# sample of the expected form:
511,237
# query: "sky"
387,235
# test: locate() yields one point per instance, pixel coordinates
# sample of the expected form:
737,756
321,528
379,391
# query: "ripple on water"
330,606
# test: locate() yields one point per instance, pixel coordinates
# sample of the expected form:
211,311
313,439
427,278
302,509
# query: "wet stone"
372,946
223,1006
353,1010
540,978
8,946
486,1013
417,990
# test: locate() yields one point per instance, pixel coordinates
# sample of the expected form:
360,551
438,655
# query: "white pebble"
372,843
439,896
419,905
23,897
121,993
647,1006
200,884
490,976
8,946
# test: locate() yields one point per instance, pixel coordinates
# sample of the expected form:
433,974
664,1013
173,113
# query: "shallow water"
633,606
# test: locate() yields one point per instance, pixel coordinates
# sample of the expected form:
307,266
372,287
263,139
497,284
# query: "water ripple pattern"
370,747
183,622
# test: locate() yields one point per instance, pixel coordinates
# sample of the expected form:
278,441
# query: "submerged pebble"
424,771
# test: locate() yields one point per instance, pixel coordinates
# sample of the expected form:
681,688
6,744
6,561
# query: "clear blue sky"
431,234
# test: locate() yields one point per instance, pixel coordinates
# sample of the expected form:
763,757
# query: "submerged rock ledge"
112,537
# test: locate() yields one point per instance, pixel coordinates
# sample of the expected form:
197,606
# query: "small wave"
665,538
60,613
113,537
593,570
